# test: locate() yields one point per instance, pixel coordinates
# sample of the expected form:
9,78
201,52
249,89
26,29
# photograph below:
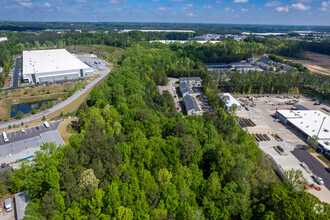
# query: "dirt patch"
317,63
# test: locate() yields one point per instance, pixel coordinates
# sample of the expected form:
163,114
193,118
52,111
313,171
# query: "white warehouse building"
310,123
41,66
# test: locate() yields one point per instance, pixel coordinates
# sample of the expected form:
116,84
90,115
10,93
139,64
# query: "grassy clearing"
114,53
324,160
65,129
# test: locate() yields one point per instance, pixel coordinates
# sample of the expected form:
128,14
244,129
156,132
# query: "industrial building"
40,66
230,101
310,123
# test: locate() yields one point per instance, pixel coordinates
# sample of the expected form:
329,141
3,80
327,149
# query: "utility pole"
320,127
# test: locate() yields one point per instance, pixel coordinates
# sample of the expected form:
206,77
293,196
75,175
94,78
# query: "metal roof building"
230,101
52,65
310,123
185,88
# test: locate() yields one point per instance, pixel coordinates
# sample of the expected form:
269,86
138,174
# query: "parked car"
318,180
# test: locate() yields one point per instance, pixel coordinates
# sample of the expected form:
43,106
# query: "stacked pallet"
261,137
278,138
245,122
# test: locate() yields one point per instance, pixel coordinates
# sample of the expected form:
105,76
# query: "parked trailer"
5,138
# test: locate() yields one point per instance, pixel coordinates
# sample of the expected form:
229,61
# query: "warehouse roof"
230,100
41,61
309,121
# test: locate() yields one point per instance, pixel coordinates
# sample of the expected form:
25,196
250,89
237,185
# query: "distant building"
168,31
52,65
310,123
230,101
190,80
3,39
191,105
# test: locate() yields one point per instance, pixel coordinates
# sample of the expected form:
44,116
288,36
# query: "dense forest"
136,158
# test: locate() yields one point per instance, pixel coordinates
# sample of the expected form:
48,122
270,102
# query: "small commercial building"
310,123
230,101
191,105
41,66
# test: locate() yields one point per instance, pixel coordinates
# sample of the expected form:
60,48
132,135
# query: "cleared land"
316,62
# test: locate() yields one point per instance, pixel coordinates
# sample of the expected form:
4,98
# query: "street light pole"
320,127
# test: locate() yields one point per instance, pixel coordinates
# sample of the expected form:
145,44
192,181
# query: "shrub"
33,111
6,118
19,115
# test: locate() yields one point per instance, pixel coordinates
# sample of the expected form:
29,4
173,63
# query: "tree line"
136,158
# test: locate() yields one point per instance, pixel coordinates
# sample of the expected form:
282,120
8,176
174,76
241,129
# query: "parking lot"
28,133
22,145
93,61
202,100
288,139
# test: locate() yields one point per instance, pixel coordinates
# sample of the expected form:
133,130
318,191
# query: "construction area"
284,144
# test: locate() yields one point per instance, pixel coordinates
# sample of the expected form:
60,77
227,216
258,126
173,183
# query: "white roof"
309,121
231,100
43,61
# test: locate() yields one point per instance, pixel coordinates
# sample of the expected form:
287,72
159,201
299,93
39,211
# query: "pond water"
26,108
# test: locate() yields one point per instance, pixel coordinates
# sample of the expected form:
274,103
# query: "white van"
46,124
8,205
5,138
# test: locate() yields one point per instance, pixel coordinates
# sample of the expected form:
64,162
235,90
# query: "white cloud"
114,2
300,6
188,6
119,9
227,8
218,2
191,15
241,1
155,0
164,9
272,3
325,6
207,6
244,10
47,5
25,3
177,0
282,9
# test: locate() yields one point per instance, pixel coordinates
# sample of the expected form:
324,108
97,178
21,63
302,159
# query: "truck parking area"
23,144
282,143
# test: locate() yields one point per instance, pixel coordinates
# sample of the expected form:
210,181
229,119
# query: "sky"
287,12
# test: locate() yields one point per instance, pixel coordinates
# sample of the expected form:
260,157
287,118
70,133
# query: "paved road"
16,72
59,105
304,156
